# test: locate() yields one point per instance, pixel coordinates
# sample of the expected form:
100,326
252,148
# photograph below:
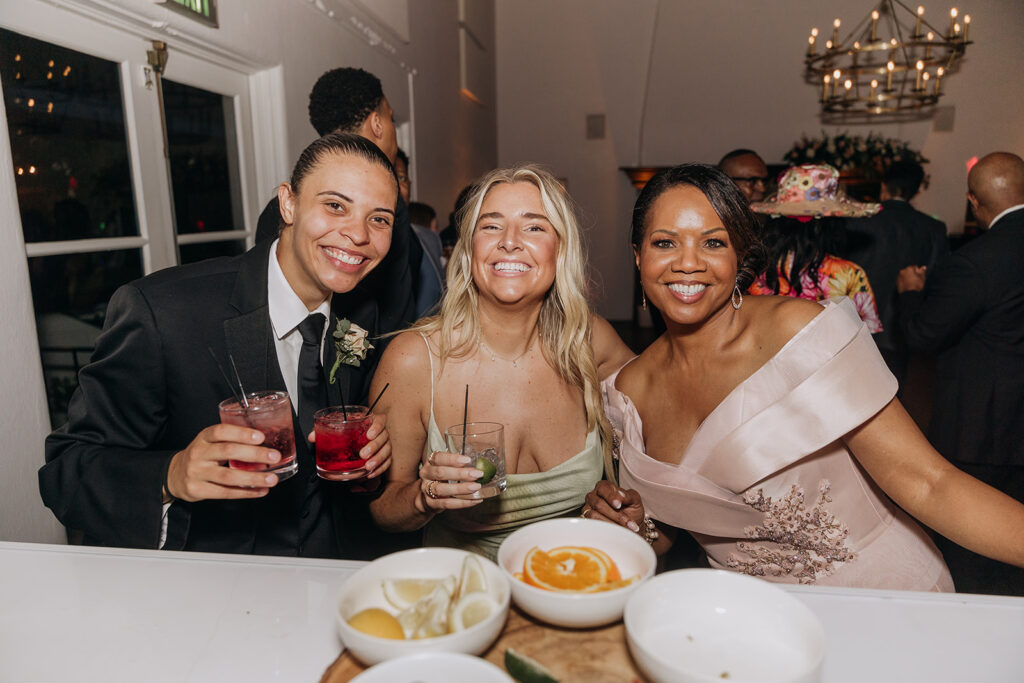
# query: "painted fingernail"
369,465
476,474
474,487
256,437
463,459
274,456
617,504
632,526
271,479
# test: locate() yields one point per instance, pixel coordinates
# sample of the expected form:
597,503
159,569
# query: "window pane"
204,159
190,253
70,293
67,133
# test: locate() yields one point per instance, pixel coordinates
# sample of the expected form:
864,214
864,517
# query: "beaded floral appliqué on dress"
807,542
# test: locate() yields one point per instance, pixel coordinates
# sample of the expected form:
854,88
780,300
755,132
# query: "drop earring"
736,294
643,299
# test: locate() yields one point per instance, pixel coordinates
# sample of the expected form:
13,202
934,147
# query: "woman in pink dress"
766,426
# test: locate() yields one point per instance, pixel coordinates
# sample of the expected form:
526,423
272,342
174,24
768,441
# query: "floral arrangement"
868,154
350,344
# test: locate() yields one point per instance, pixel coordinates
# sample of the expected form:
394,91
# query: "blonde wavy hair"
564,325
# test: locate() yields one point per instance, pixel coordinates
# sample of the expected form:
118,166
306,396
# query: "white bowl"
631,554
703,625
364,590
434,667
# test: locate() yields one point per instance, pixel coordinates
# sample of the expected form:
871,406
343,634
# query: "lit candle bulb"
836,80
928,47
835,33
874,25
889,67
938,80
828,44
856,53
967,25
952,21
810,46
920,69
824,88
956,31
874,85
917,27
925,76
847,84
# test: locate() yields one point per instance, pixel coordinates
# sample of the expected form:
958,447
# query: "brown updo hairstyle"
728,202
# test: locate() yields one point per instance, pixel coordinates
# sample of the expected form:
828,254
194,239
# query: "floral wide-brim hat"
812,190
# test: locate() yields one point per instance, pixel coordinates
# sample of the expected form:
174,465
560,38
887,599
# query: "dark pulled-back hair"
737,153
342,98
809,242
421,214
727,201
338,143
903,178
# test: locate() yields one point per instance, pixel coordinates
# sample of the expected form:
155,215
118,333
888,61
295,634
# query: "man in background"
432,279
748,170
348,100
970,310
896,237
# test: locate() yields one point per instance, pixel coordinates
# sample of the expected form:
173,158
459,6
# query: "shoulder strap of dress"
431,357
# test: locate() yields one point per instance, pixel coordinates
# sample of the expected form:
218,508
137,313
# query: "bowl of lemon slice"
575,572
422,600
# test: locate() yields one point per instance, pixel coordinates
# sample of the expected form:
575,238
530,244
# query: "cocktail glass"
271,413
340,434
484,444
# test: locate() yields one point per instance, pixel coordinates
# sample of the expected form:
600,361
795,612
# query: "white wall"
285,42
723,75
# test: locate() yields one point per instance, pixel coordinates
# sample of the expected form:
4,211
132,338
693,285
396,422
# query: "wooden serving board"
595,655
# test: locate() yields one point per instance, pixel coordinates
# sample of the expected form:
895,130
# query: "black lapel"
249,336
361,309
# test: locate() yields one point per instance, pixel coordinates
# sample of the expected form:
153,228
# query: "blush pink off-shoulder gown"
768,487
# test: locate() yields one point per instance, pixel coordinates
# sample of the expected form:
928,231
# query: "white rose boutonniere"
350,345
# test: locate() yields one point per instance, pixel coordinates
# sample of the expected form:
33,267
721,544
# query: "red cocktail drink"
340,435
271,413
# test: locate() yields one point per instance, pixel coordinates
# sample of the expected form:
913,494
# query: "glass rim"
232,403
471,429
330,411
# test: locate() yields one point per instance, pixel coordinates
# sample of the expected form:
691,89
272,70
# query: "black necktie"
312,388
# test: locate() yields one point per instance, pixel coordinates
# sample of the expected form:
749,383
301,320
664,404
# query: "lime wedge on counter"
487,467
526,670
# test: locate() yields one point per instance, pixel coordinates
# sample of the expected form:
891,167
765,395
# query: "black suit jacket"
152,386
896,237
972,314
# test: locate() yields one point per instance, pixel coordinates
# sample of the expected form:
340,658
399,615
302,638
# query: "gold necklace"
495,356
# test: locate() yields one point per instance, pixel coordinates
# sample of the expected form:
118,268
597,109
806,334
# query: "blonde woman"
516,328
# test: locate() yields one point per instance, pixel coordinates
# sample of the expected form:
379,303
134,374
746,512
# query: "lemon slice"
427,617
472,579
470,610
402,593
376,622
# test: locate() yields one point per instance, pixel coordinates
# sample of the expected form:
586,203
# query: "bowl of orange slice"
575,572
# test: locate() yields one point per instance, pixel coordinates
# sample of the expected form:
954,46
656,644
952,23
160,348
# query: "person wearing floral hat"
803,236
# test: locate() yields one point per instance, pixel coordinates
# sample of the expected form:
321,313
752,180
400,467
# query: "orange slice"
613,570
564,569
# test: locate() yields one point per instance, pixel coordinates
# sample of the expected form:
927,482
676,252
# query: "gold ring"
430,489
430,457
586,511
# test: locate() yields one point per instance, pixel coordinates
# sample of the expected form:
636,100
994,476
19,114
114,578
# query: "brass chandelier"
885,66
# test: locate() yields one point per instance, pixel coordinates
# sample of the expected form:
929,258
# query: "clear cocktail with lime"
484,444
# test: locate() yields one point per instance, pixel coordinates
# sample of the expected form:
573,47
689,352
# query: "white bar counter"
98,614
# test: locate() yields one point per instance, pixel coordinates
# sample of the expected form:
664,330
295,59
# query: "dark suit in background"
896,237
972,314
393,280
152,386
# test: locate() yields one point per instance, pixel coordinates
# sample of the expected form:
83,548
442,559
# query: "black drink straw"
245,400
372,405
465,414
